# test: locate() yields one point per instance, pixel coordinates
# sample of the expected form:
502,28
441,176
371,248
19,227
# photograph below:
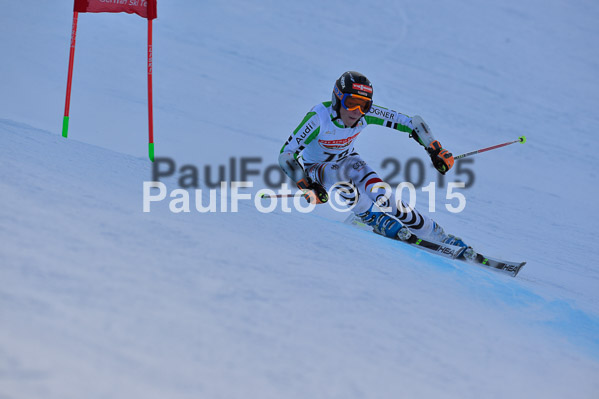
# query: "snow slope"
99,299
102,300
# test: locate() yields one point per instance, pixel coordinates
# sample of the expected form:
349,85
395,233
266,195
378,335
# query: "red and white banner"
143,8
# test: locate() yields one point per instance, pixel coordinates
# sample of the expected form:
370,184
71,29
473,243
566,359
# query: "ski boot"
385,225
439,235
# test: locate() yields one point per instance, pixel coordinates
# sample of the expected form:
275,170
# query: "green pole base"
151,151
65,127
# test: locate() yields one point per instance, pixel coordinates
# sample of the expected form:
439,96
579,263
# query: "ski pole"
280,195
521,139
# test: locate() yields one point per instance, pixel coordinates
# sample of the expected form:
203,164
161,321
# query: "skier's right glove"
313,192
442,159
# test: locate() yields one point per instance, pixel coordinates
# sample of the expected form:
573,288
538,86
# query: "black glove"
442,159
313,192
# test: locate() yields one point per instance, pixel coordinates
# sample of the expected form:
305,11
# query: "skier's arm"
307,130
291,166
397,121
418,130
441,158
388,118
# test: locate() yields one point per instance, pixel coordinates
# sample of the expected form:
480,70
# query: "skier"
320,154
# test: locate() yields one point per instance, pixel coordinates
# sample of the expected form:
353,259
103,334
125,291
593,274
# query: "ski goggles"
352,102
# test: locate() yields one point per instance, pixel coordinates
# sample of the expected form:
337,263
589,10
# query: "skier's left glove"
313,192
442,159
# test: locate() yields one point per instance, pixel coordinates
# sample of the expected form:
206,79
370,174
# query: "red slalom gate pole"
65,120
150,111
521,139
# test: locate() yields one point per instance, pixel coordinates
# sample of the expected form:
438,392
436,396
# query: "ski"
449,251
511,268
445,250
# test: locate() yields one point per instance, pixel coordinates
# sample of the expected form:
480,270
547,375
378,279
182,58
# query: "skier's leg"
366,190
369,192
372,190
354,177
